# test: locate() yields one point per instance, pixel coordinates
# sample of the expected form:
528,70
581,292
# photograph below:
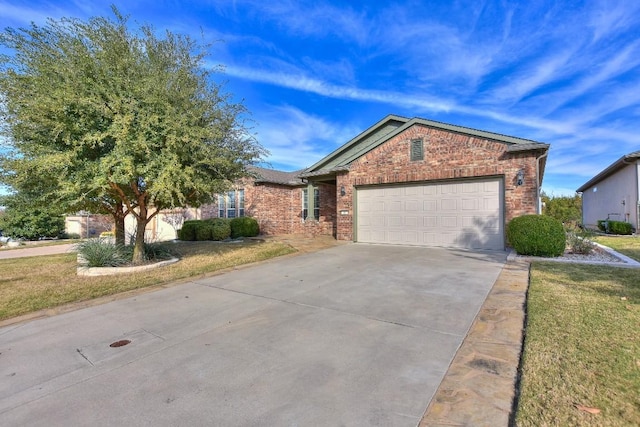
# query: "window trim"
316,204
231,204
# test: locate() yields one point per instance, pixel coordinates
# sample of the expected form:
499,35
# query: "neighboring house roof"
610,170
273,176
393,125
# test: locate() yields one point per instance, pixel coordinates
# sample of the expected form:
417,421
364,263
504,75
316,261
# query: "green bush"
220,228
102,253
619,227
244,227
203,231
208,229
157,251
615,227
536,235
188,231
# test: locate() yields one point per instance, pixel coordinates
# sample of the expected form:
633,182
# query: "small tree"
124,121
566,209
24,218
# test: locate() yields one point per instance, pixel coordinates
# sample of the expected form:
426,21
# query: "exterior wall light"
520,177
342,191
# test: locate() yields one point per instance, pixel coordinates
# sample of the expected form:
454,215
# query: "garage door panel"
449,221
411,205
453,214
491,186
411,191
449,204
470,204
430,205
429,222
395,221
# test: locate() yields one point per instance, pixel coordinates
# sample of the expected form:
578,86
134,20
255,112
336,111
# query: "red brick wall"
278,208
447,155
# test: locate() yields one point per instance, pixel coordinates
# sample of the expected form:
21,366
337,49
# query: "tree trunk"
119,229
118,219
141,224
138,248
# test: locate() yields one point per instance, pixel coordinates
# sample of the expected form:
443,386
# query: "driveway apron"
354,335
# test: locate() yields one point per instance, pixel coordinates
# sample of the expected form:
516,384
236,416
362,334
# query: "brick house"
401,181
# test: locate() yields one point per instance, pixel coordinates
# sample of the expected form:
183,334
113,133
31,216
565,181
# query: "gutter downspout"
538,183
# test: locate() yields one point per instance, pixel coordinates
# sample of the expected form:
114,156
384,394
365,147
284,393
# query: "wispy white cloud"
297,139
311,19
308,84
536,75
611,16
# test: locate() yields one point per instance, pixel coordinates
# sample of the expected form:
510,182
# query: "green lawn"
35,283
582,346
627,245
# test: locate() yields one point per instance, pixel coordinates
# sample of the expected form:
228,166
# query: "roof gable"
614,167
393,125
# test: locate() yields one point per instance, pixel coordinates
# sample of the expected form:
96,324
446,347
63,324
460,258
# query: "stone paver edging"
625,261
479,389
108,271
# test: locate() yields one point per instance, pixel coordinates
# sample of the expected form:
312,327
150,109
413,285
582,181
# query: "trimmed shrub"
536,235
619,227
203,231
220,228
188,231
208,229
244,227
615,227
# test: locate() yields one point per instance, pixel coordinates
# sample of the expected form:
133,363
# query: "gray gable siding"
363,145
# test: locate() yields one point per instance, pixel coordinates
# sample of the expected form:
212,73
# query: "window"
231,204
417,149
240,202
316,204
221,206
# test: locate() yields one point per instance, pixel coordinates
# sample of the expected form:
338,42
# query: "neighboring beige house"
163,226
614,193
87,225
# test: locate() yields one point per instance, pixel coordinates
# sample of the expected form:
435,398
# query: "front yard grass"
582,347
627,245
35,283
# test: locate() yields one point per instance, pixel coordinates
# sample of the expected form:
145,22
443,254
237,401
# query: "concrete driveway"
355,335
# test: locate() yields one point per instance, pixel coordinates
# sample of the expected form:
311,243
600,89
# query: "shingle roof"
275,176
610,170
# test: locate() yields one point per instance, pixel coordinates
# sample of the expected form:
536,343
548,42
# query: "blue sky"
315,74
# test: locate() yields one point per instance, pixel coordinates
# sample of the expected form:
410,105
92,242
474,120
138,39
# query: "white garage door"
463,214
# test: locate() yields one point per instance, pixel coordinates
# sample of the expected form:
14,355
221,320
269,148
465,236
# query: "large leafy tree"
119,121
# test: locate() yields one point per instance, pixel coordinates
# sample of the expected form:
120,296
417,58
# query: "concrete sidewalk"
29,251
